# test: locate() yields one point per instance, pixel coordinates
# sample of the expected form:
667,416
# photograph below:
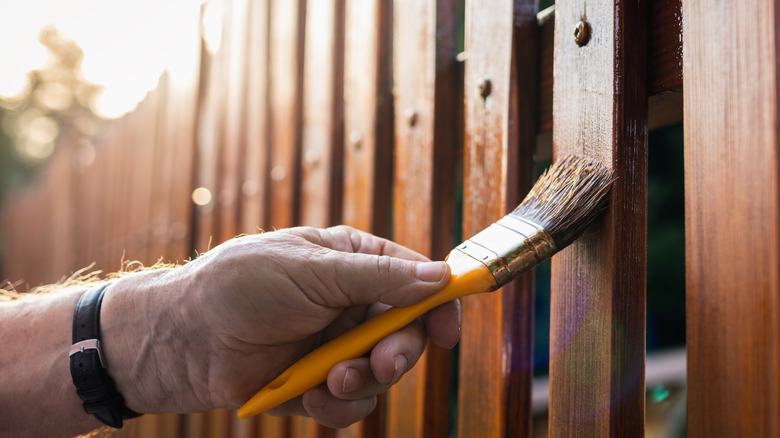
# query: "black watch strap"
87,365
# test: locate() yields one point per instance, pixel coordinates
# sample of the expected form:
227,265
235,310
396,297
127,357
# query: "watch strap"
87,364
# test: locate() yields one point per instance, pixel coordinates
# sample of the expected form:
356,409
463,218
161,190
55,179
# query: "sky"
127,44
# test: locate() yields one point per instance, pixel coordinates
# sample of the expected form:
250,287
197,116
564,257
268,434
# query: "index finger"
348,239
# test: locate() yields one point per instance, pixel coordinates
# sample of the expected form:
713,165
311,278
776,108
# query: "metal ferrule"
509,247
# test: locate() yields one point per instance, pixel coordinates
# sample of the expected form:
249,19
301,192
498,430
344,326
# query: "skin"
210,333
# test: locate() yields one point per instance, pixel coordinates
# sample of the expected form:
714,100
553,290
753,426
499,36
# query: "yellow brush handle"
468,277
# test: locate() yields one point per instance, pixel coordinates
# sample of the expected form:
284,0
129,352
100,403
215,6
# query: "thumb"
369,278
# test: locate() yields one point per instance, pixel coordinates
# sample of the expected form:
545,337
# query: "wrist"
143,343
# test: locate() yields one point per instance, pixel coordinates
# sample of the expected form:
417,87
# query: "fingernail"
317,397
353,381
431,271
401,362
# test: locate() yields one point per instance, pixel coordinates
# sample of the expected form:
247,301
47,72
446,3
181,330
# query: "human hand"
214,331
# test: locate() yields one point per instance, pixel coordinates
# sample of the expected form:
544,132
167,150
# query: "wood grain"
232,135
181,113
597,343
323,106
368,137
427,104
732,218
321,131
664,65
284,90
368,115
496,344
254,189
211,104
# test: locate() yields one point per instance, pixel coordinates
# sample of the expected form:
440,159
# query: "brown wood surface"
142,159
323,97
321,143
496,344
285,76
232,134
209,126
732,218
597,343
233,150
284,90
254,189
368,115
664,65
181,112
368,137
162,172
427,106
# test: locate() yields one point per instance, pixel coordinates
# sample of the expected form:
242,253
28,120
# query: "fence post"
732,218
368,136
427,108
597,339
500,136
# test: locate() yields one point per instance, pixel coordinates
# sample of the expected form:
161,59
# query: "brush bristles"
567,198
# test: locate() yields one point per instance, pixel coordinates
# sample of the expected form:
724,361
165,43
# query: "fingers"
331,411
443,324
349,394
347,239
391,358
358,268
352,386
365,279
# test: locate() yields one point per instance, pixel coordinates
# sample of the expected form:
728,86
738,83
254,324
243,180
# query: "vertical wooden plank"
285,76
497,344
428,102
161,183
129,193
323,103
62,215
368,116
195,425
231,151
211,107
368,136
597,342
180,130
518,311
732,218
144,154
286,21
254,188
321,135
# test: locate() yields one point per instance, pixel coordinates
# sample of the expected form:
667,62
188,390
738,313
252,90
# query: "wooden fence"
363,112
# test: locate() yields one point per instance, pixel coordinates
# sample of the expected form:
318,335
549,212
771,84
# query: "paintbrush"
562,203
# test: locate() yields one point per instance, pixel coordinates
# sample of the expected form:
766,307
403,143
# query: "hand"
211,333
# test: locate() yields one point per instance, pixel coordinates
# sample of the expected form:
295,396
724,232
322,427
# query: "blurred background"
115,141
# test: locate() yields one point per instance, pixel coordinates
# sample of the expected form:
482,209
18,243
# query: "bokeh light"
127,46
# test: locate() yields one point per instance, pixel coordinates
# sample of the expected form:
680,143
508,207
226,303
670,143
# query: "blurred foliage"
55,106
666,240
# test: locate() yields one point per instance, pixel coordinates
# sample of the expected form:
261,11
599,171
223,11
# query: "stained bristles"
567,198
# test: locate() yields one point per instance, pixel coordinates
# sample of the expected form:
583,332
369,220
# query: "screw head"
312,157
355,139
411,116
582,33
485,87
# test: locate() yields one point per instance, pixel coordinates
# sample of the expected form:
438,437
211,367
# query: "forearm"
141,348
37,396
